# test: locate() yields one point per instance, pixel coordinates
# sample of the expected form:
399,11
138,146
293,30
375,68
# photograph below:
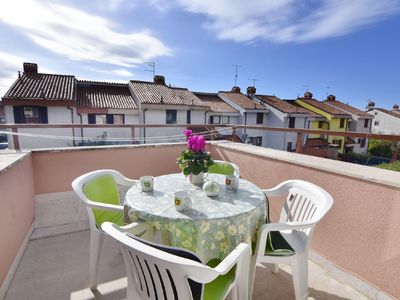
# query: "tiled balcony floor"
57,268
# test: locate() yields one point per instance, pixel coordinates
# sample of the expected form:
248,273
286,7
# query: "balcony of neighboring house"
45,239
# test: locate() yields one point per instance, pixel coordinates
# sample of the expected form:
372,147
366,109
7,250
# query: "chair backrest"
224,168
156,274
305,203
100,186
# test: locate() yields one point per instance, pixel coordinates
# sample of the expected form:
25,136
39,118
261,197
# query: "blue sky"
352,47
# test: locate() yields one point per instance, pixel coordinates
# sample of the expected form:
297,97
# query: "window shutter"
91,119
43,115
19,114
110,119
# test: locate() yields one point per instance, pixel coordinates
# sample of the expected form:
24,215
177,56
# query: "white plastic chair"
235,167
155,273
305,206
103,204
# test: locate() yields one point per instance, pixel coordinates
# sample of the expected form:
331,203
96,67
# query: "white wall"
56,115
387,124
358,126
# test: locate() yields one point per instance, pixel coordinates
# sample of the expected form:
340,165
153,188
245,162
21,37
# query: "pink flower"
188,133
196,143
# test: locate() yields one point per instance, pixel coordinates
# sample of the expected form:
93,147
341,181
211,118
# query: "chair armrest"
241,254
136,228
104,206
267,228
127,182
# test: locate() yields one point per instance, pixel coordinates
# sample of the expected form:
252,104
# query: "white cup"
182,200
232,182
147,183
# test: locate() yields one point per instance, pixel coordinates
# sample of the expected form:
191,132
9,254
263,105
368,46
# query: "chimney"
30,68
331,98
308,95
251,91
235,89
159,79
395,107
371,105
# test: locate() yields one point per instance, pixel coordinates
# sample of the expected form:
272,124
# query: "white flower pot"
196,179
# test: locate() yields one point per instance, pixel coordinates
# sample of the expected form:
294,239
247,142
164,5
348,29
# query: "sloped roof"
242,100
151,93
40,86
348,108
325,107
215,103
389,112
92,94
310,113
281,105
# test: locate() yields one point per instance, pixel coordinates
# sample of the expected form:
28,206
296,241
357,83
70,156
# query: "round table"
212,227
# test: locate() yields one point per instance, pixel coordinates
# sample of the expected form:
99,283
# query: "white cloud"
78,35
283,21
116,72
10,64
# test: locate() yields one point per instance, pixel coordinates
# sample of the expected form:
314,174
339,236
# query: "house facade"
283,114
385,121
335,120
360,121
162,104
251,113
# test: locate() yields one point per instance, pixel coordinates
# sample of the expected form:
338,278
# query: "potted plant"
194,161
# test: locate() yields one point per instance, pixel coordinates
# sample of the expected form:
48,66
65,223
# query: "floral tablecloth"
213,227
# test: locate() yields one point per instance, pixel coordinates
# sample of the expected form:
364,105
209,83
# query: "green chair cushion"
103,189
216,289
277,245
222,168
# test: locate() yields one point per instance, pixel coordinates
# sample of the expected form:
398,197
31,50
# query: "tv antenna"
152,65
254,81
236,72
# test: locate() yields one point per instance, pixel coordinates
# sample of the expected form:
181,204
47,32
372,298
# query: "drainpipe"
80,117
144,123
245,123
72,122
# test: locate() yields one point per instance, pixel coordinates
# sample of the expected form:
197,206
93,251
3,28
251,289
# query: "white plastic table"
213,227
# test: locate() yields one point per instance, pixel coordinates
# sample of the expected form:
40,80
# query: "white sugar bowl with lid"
211,188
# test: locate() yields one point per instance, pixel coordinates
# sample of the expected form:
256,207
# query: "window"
337,142
255,140
30,114
292,122
258,141
363,142
289,146
170,116
188,116
260,118
376,123
366,123
342,121
225,120
320,124
106,119
214,119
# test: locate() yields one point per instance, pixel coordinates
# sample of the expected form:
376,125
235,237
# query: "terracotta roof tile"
151,93
283,106
348,108
310,113
216,103
325,107
43,87
92,94
242,100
